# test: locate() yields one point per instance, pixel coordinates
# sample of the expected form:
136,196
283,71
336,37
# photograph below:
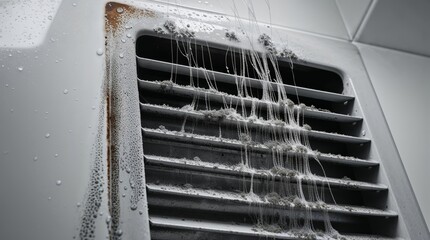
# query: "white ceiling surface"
403,95
353,12
30,23
398,24
321,17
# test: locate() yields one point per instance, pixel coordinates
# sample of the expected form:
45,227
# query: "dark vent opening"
218,59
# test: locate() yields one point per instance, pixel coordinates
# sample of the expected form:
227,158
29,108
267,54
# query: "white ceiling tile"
399,24
352,12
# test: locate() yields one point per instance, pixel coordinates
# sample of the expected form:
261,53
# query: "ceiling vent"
219,134
222,159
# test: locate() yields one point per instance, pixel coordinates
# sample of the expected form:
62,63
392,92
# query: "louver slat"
223,77
200,116
235,144
209,167
177,90
235,202
166,227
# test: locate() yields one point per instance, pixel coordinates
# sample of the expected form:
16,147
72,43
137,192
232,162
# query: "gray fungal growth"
173,29
159,30
218,115
301,149
278,146
230,35
274,228
166,85
266,41
287,53
307,127
245,138
170,26
284,172
273,198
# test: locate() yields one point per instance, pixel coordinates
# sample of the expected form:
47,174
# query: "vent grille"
196,185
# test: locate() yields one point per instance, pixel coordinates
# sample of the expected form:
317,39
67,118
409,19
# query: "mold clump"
245,138
287,102
273,198
230,35
166,85
159,30
173,29
284,172
301,149
287,53
278,146
221,114
307,127
266,41
274,228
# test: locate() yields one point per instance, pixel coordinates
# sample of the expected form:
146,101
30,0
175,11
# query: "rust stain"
116,14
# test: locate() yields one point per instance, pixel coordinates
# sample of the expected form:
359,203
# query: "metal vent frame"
340,55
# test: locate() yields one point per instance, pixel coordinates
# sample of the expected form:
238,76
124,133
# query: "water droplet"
11,110
125,187
118,232
120,10
123,195
121,55
10,54
49,198
20,68
66,91
128,35
47,135
123,40
363,133
7,85
35,158
99,52
140,212
74,4
58,182
93,107
78,204
50,17
101,213
56,155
